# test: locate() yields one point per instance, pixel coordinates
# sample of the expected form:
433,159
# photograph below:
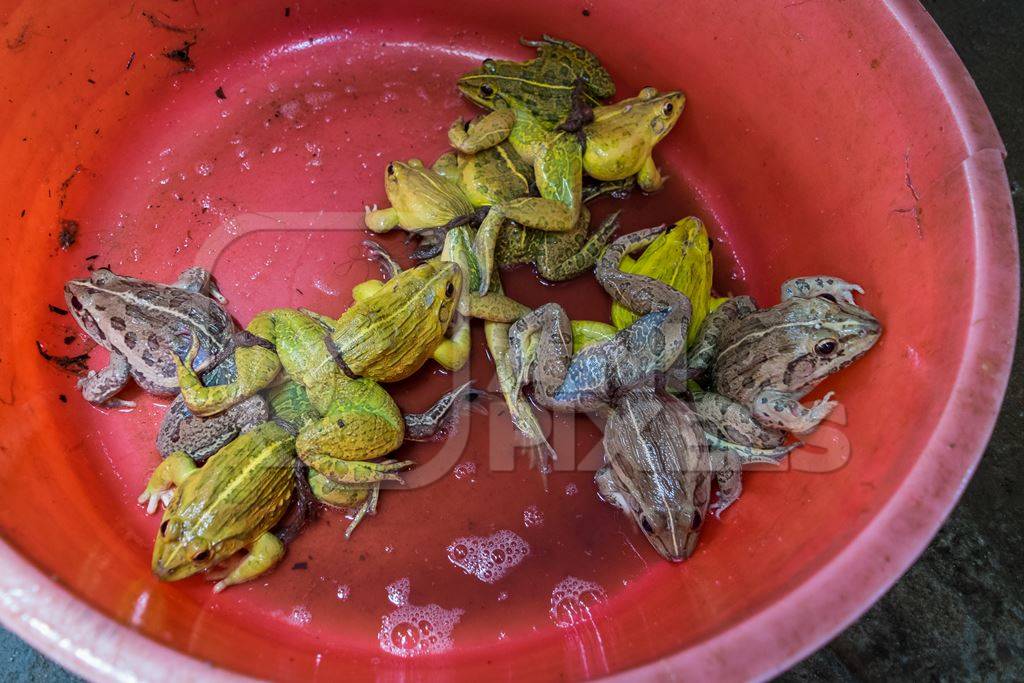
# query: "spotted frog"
761,362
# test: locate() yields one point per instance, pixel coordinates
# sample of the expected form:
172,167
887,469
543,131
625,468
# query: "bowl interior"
249,141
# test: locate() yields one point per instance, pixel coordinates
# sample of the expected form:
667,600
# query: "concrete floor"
958,614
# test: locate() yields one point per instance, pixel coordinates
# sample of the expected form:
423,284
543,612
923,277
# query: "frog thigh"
704,347
265,553
100,387
734,422
453,352
381,220
256,367
649,178
482,133
729,476
558,266
496,308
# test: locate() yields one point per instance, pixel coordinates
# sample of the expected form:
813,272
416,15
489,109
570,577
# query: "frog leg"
329,324
469,137
704,347
376,251
99,388
729,476
540,345
200,281
821,285
495,308
558,172
484,244
447,165
266,551
748,455
381,220
557,268
439,418
360,497
616,189
364,423
453,352
644,295
649,177
734,422
256,367
783,411
174,470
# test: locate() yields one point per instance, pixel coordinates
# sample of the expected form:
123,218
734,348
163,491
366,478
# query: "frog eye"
697,520
645,524
826,347
486,90
163,527
667,109
449,290
391,169
201,556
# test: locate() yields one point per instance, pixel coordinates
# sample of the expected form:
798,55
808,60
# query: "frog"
144,325
563,78
759,363
290,402
423,202
680,257
201,437
383,337
657,469
229,505
541,341
618,145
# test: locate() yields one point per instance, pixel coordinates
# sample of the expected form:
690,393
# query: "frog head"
812,338
422,197
651,113
658,470
181,550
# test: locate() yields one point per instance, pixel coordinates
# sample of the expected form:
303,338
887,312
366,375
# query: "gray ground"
958,614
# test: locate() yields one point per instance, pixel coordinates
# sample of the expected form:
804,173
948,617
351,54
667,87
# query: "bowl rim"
71,632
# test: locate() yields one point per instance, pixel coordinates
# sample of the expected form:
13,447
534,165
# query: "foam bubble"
571,489
532,517
488,558
300,616
572,599
464,470
204,168
413,630
398,592
344,592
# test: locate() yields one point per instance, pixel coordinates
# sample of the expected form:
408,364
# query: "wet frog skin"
658,469
228,505
762,362
144,325
385,336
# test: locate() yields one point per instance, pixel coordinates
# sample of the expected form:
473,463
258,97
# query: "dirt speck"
68,233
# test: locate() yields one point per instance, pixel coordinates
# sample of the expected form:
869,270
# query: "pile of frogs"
274,421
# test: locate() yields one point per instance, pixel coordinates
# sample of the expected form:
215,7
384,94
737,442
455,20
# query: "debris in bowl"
296,409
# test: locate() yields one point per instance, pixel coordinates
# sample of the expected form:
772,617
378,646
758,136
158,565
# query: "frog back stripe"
131,298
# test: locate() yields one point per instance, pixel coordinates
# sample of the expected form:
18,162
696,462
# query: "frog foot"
154,498
368,508
821,285
817,412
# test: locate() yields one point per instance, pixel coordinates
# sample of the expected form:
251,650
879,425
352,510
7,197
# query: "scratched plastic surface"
258,164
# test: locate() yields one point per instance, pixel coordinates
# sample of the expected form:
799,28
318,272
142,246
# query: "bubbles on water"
344,592
413,630
571,489
488,558
398,592
204,168
533,517
464,470
290,109
572,600
300,616
315,152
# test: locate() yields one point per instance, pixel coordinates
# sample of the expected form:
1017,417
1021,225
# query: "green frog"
423,202
761,362
618,146
144,325
384,337
227,506
562,78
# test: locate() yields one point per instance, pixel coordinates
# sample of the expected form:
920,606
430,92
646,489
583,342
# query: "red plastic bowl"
841,138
